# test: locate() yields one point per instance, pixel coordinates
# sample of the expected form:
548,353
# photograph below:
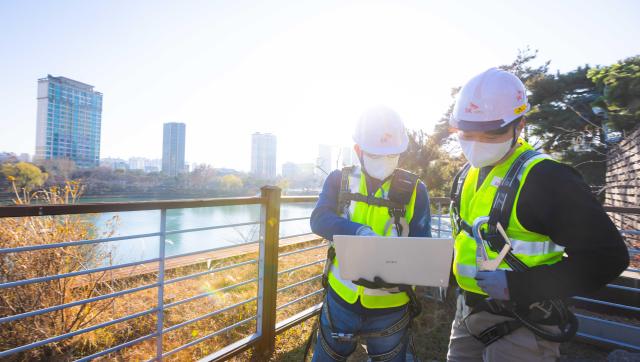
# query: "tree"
619,85
24,175
562,121
231,183
202,177
59,169
426,158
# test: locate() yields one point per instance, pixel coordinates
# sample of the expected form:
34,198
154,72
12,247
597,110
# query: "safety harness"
400,192
534,316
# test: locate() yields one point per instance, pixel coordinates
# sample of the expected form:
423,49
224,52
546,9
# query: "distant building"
24,157
324,160
114,163
137,163
292,170
68,124
173,148
263,155
348,157
8,157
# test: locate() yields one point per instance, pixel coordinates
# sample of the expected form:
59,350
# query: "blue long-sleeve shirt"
326,222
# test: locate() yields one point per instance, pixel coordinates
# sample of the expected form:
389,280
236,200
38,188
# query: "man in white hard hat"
375,198
511,197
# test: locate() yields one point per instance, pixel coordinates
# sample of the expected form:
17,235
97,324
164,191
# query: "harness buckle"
342,337
539,306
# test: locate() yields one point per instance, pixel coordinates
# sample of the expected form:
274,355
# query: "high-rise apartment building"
173,138
68,124
263,155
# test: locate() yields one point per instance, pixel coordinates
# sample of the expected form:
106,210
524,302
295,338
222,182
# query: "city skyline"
234,68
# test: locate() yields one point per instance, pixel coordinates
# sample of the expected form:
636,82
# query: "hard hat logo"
472,108
519,96
386,137
520,109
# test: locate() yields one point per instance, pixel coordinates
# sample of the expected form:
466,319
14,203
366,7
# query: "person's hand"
365,230
494,283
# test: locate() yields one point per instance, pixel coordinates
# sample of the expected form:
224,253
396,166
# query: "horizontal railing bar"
634,251
202,295
633,270
212,271
208,315
295,219
233,349
323,245
102,207
619,324
301,266
73,304
118,347
299,283
298,199
631,232
298,318
211,335
74,333
205,228
609,304
622,287
295,235
210,250
300,299
622,210
607,341
73,274
75,243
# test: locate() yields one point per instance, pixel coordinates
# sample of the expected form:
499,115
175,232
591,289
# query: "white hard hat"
380,131
490,100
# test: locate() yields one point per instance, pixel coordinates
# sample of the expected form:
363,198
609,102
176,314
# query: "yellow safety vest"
376,217
531,248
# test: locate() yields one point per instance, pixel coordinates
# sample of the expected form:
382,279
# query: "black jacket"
555,201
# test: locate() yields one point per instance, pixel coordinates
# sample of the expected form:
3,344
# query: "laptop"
398,260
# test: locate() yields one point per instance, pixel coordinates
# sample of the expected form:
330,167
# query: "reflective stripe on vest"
531,248
376,217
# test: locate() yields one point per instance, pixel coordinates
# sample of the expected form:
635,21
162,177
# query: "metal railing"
263,338
267,245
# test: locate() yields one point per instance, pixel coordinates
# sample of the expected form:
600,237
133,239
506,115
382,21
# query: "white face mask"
481,154
380,167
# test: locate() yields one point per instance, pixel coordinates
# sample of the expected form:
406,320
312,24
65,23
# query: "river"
145,222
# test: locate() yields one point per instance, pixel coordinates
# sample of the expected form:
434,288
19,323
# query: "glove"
365,230
494,283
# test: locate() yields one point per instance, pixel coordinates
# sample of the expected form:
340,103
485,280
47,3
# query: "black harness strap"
455,195
553,311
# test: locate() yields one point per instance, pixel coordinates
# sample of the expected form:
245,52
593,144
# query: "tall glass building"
173,136
68,121
263,155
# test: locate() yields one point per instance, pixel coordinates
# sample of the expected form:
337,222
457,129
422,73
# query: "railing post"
161,255
439,218
268,269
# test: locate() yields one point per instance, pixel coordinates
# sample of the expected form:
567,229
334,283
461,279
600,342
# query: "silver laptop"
400,260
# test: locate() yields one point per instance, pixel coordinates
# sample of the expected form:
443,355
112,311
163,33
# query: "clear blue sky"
300,69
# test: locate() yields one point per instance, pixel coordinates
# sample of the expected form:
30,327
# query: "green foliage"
619,85
24,175
562,121
426,158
